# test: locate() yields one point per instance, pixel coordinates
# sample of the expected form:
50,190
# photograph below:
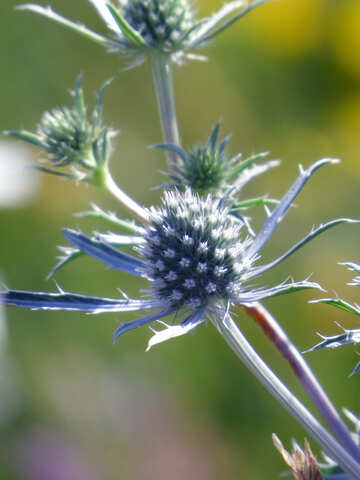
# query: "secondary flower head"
141,28
70,139
208,168
197,258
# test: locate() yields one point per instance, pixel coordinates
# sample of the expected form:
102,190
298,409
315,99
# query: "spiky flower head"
208,168
142,28
163,24
71,139
193,251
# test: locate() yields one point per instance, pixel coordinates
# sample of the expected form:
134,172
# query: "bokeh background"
74,406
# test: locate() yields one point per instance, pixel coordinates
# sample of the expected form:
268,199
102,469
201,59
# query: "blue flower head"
194,252
196,256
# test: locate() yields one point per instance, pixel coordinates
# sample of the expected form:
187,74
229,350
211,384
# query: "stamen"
201,267
189,283
171,276
169,253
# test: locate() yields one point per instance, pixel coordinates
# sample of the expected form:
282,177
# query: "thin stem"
124,199
239,344
163,82
305,375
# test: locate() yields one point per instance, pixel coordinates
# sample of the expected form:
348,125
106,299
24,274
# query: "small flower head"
193,251
71,139
209,169
163,24
142,28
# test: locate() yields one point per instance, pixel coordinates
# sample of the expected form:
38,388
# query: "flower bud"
71,139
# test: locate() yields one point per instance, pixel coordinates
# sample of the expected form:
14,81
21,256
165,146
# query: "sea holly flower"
209,169
140,28
197,258
351,336
76,146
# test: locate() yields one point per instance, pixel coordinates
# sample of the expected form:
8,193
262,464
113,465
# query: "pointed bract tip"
333,161
318,300
28,6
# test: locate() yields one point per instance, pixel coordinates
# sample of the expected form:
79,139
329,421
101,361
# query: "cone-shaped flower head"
141,28
71,139
193,251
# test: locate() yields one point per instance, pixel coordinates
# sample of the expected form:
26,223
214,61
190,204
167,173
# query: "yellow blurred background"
286,78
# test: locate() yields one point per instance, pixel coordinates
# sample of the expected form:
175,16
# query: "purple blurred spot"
45,455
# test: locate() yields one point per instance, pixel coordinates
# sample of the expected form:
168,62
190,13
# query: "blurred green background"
74,406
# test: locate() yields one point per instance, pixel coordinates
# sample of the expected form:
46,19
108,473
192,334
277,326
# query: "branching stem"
133,207
239,344
305,375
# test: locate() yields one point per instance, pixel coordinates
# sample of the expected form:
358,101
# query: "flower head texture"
141,28
161,23
197,258
75,145
194,252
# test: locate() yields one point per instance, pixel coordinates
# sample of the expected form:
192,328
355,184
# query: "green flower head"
208,168
71,139
142,28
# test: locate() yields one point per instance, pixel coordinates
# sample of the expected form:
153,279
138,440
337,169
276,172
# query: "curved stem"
133,207
162,75
305,375
239,344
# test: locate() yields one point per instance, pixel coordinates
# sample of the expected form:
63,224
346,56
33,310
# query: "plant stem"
305,375
239,344
163,82
130,204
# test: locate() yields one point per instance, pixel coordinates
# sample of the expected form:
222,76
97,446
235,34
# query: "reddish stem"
305,375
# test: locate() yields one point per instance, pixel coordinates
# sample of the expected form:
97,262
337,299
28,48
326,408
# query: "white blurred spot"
18,181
